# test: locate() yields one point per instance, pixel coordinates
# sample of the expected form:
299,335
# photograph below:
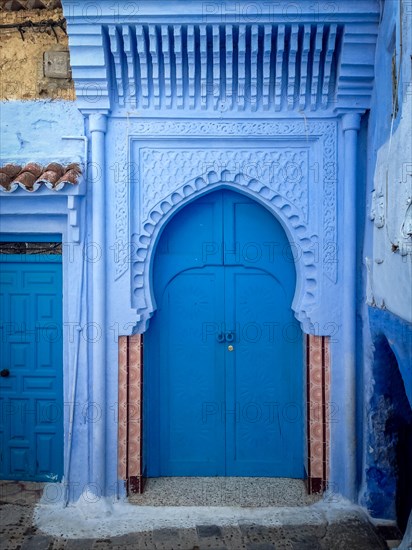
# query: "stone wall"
22,61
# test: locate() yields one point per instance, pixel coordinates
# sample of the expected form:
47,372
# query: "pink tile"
122,408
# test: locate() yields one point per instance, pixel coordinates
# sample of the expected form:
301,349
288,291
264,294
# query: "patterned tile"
130,408
318,370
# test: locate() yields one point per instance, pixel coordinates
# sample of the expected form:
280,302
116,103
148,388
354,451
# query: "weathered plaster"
21,62
388,412
40,131
390,142
387,257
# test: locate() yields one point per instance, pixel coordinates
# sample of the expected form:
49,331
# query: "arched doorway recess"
223,390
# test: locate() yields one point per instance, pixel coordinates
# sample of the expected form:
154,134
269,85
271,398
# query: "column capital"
98,122
351,121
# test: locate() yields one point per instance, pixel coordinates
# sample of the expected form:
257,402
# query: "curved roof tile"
32,175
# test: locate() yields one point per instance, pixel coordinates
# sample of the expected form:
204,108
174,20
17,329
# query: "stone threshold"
224,491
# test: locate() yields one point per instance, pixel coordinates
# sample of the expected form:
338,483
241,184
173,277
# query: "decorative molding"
204,57
277,129
144,201
73,207
187,173
329,229
218,66
121,173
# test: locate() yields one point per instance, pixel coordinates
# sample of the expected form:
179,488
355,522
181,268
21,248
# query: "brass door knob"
230,348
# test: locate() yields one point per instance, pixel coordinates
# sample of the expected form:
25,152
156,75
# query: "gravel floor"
224,491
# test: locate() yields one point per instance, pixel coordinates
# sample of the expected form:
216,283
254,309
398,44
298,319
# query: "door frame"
40,215
263,227
315,365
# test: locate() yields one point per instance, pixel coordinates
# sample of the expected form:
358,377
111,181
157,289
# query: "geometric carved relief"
283,170
291,178
163,170
329,227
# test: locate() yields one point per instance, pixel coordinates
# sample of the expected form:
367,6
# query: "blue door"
223,353
31,413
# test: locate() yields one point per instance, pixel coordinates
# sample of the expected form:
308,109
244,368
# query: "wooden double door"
223,389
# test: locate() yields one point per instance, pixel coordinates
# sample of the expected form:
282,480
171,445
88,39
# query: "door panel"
221,267
32,395
258,240
193,238
189,377
263,378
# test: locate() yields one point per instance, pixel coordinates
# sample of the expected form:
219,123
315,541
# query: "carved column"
97,127
347,371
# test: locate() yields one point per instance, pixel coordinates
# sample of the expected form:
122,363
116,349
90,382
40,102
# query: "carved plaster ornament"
406,227
277,175
378,209
370,299
406,230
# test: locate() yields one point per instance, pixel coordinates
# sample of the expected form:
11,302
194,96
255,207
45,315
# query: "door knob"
230,348
4,373
230,336
220,337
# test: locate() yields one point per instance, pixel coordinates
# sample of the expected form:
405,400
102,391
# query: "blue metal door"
223,354
31,413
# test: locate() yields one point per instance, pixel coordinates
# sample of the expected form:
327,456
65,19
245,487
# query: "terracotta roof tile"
31,176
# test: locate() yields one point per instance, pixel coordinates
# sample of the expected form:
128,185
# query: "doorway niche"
389,455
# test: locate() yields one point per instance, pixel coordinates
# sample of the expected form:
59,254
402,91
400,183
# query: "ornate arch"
285,212
159,166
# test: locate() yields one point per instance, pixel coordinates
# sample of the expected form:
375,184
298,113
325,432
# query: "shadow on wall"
389,454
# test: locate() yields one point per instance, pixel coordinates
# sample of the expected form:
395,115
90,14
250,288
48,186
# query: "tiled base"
315,485
135,485
130,412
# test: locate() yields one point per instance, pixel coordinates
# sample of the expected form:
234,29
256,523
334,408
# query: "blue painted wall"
385,350
388,243
35,131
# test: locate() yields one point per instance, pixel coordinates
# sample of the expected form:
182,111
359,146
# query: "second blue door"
223,354
31,381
